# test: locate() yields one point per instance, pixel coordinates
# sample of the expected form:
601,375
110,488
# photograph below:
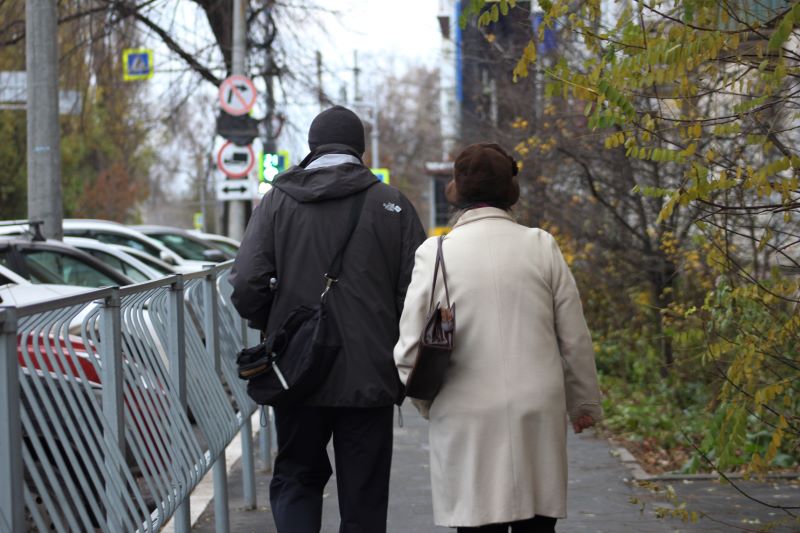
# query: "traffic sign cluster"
236,158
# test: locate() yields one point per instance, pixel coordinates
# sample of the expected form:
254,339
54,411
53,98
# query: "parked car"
185,244
16,290
226,244
55,263
110,232
99,230
115,233
116,258
165,269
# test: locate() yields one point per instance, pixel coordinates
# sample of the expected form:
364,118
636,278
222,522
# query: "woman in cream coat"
522,361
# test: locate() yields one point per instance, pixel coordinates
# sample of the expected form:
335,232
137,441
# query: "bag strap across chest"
333,272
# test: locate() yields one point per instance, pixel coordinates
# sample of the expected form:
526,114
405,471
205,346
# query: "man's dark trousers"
362,443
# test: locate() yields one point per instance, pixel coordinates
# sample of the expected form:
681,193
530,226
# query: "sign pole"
237,210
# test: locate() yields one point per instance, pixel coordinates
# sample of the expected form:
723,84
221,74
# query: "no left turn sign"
236,161
237,95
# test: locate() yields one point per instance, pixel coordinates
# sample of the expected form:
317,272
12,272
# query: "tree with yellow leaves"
706,96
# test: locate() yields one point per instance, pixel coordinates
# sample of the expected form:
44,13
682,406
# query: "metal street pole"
320,91
376,161
238,208
44,152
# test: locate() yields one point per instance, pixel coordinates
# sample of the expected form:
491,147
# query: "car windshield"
48,266
226,247
120,266
184,247
117,238
153,263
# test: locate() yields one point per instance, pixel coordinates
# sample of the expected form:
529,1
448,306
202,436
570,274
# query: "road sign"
236,161
241,130
137,64
237,95
382,174
228,190
270,165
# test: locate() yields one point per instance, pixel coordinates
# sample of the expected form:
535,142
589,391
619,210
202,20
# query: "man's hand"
583,422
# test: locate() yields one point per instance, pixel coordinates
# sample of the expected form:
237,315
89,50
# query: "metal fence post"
251,338
113,403
248,459
177,372
12,504
211,326
265,439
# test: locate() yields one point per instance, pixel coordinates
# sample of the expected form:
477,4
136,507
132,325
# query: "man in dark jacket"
292,237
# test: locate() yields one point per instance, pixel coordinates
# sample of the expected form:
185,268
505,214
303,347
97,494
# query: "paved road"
600,495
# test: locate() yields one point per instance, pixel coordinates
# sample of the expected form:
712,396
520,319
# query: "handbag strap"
439,264
335,269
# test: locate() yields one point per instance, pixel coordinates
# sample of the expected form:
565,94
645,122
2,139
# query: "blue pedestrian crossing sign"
137,64
382,174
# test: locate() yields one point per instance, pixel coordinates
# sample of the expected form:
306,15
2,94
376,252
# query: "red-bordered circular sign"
237,95
236,161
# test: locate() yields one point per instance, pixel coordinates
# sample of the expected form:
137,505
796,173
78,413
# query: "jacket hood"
326,182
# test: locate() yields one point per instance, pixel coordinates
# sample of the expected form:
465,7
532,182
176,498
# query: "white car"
115,233
100,230
185,244
117,259
226,244
16,290
165,269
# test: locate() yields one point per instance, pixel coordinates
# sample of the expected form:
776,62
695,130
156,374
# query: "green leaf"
782,32
765,239
528,57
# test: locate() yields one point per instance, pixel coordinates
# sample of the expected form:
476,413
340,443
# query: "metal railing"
116,402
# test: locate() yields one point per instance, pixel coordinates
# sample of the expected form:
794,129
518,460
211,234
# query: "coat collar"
482,213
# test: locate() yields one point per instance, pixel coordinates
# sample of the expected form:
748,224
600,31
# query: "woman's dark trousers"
362,444
537,524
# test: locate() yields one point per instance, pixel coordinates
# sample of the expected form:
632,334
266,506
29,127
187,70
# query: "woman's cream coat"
522,361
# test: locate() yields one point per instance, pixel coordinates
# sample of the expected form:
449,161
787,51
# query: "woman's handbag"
296,358
435,343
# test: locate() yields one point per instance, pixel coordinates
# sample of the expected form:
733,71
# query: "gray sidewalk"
601,497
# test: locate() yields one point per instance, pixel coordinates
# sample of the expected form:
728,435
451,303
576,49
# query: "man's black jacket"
294,234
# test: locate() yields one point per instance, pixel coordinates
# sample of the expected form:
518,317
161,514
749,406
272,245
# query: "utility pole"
237,209
44,139
356,73
270,146
373,108
376,161
320,91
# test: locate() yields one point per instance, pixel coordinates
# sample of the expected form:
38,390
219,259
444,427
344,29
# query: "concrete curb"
639,474
203,493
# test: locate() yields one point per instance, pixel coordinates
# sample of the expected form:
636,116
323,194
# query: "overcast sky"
404,29
390,36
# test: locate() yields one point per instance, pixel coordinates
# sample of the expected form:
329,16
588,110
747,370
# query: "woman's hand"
583,422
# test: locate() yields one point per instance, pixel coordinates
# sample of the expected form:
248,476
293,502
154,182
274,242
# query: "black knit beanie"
337,125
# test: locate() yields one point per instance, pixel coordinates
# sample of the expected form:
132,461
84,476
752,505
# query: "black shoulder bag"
295,359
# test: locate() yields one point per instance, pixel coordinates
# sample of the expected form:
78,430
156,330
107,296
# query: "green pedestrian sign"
269,166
